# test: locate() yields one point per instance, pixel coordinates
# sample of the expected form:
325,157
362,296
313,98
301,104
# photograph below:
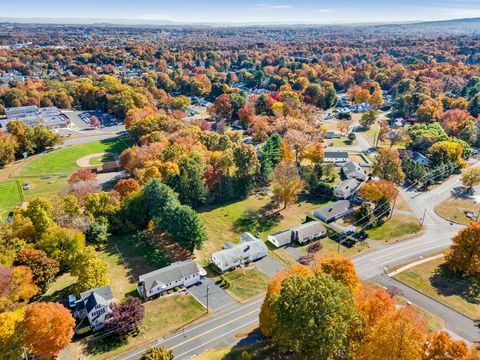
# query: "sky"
245,11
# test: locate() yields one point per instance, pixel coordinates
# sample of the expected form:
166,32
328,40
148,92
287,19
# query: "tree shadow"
448,283
258,220
96,344
256,346
59,296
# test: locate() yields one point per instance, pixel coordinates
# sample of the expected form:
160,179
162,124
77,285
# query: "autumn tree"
62,245
125,317
340,268
83,174
375,190
157,353
344,126
126,187
16,287
42,267
388,332
314,316
454,120
287,183
49,328
444,152
314,153
471,177
388,166
90,271
368,119
440,346
40,212
12,334
266,316
464,254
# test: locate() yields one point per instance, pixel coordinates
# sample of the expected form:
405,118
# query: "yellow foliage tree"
12,335
287,183
464,254
471,177
314,153
340,268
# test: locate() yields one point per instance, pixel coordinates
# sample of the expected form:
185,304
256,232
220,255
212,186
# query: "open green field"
227,222
436,280
399,227
9,195
453,209
63,160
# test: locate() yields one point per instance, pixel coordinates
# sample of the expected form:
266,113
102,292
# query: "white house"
335,156
95,304
181,273
302,234
352,170
333,211
346,188
233,255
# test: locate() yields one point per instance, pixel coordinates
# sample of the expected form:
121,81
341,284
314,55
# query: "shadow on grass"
139,255
447,283
257,347
60,296
257,221
100,345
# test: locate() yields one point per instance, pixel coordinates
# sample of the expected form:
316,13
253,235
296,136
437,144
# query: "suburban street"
220,329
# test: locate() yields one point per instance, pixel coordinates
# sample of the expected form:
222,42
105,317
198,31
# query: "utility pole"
393,207
423,217
208,288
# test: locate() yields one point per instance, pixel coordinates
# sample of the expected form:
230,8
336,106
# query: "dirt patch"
85,160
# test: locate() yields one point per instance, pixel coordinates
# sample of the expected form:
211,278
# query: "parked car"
72,301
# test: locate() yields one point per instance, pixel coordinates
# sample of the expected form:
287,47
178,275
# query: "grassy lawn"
246,283
262,350
340,142
452,209
102,159
9,196
162,316
399,227
227,222
59,289
63,160
331,246
127,258
434,279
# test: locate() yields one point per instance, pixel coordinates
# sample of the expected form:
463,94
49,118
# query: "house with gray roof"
346,188
181,273
334,211
95,305
335,156
301,234
352,170
249,249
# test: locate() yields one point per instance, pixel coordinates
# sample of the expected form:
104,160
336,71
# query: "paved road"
221,328
455,322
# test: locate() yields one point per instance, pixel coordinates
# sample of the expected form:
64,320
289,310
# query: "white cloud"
274,6
324,10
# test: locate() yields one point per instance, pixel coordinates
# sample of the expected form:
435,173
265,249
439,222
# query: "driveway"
269,266
217,297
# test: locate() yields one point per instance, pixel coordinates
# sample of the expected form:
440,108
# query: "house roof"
244,250
283,236
348,185
308,229
351,168
332,210
168,274
111,165
336,154
102,295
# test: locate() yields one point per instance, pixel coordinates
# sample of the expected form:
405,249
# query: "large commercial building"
32,116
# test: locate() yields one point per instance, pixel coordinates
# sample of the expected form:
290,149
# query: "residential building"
302,234
249,249
346,188
352,170
335,156
361,108
111,166
95,305
32,116
415,156
333,211
182,273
